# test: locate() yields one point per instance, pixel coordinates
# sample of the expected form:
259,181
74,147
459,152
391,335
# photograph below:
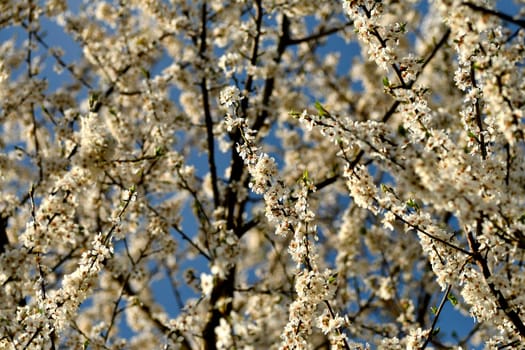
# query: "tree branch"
500,299
207,112
501,15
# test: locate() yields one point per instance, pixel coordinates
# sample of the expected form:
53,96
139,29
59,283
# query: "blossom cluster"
262,174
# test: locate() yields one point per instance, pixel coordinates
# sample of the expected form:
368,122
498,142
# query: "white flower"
416,338
206,284
386,289
230,96
229,63
224,336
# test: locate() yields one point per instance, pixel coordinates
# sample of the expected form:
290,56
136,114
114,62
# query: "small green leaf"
434,310
159,151
321,110
452,298
93,100
412,204
332,278
472,135
386,188
294,114
436,331
145,72
401,130
386,83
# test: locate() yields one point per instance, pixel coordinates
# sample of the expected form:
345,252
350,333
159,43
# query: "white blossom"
262,174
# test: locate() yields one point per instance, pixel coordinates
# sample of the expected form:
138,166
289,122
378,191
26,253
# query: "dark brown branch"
318,35
390,112
436,48
237,164
116,310
4,240
59,59
479,122
429,235
438,312
182,234
150,314
207,111
267,94
501,15
500,299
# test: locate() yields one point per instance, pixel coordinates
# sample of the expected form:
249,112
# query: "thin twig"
438,312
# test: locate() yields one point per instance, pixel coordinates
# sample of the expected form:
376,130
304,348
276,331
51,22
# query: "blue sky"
450,321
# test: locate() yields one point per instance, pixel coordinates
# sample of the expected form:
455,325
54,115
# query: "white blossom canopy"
262,174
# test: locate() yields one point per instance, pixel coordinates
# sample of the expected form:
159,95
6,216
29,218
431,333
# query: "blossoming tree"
262,174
